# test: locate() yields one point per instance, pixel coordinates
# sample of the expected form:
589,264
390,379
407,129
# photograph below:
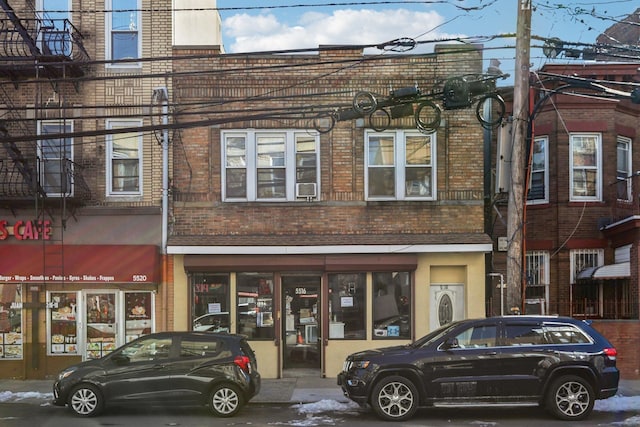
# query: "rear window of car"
199,347
565,334
524,334
536,334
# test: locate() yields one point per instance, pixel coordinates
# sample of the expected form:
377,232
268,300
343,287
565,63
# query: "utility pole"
515,215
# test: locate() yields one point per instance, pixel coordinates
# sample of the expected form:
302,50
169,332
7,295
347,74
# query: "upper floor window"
56,158
123,31
585,169
539,182
623,169
55,31
400,165
124,151
265,165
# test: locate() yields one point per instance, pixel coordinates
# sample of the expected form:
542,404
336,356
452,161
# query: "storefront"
304,313
93,299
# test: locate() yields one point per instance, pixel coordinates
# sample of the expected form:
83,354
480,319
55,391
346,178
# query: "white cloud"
264,32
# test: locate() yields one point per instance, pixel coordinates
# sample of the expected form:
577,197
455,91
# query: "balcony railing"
53,42
18,186
606,309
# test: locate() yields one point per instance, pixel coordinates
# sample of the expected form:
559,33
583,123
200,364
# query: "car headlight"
64,374
361,364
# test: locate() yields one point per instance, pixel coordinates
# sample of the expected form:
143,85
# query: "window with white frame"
56,158
585,258
270,165
585,167
124,151
123,39
539,182
400,165
537,271
623,169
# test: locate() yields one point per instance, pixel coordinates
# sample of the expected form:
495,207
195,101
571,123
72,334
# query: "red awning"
79,263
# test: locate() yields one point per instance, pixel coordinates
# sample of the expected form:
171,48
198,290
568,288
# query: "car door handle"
491,353
158,366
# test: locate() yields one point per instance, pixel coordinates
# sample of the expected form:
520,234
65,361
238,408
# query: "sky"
268,25
327,411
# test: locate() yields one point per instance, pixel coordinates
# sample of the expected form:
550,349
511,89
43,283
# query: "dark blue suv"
560,363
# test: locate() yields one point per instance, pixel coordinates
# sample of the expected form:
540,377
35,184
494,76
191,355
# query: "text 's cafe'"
63,303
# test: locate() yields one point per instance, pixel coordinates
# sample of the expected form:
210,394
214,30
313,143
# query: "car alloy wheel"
225,400
395,398
85,400
570,398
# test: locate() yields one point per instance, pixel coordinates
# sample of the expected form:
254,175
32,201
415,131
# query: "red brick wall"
624,336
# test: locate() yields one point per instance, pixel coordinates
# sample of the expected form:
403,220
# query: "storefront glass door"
301,323
101,332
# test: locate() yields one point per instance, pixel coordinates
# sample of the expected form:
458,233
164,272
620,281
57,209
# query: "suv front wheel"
570,398
394,398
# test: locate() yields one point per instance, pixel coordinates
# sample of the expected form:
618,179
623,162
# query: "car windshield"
434,336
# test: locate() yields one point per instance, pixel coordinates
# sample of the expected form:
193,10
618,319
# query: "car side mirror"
451,343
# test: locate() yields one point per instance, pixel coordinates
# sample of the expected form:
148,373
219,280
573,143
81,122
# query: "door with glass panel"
101,333
301,309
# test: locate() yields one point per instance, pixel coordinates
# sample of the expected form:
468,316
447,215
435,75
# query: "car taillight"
244,363
611,353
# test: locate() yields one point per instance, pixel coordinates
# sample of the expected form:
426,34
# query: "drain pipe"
162,95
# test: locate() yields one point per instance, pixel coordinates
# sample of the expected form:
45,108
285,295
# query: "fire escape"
39,53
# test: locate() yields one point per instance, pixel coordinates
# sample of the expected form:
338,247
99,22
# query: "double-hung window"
537,289
539,182
268,165
585,167
123,31
124,151
623,169
56,158
400,165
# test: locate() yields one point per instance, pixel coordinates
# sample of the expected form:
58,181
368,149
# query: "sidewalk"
286,390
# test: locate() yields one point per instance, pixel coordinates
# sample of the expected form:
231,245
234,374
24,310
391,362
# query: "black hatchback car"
560,363
166,368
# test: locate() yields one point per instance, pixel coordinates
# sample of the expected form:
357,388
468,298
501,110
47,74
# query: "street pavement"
285,390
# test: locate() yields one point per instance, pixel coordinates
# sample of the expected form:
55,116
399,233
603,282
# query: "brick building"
581,234
314,230
80,182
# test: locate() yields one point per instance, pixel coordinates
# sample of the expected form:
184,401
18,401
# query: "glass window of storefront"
10,321
210,302
347,306
391,305
63,323
255,305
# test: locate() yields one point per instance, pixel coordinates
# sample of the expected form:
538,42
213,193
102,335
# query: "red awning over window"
79,263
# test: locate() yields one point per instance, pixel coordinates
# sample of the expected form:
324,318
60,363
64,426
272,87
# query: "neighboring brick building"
80,218
318,241
581,215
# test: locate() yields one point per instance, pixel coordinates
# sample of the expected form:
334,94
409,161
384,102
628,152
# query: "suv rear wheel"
225,400
570,398
394,398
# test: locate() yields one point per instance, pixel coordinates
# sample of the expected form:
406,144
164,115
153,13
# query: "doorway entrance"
301,326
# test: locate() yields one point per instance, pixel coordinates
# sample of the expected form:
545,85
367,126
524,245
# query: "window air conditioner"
535,306
306,189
